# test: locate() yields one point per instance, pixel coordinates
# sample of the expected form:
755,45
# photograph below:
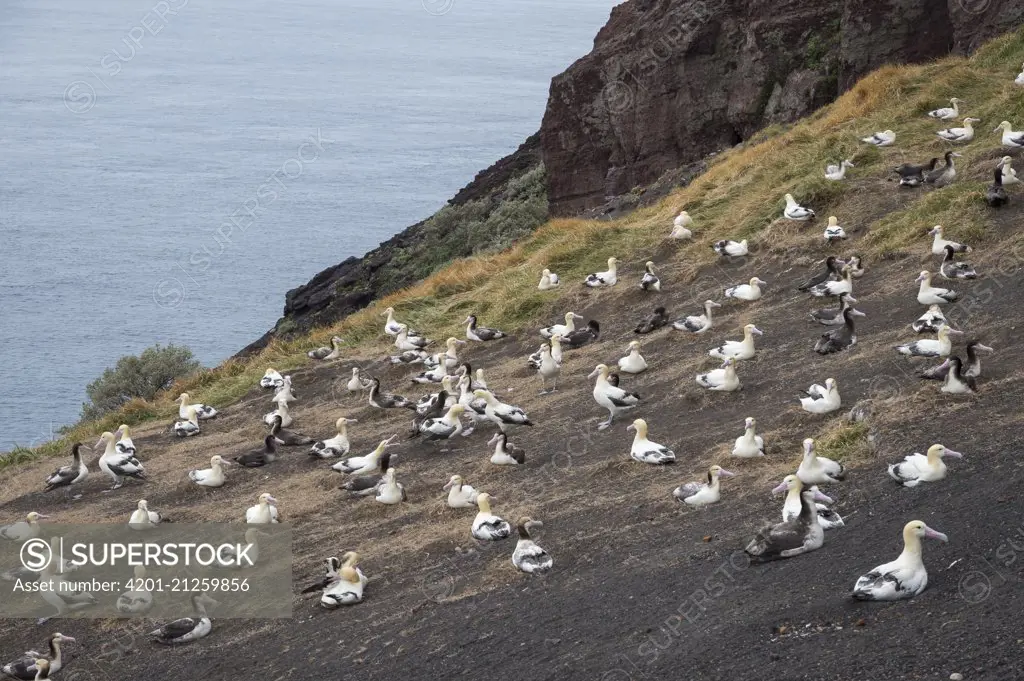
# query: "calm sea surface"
172,168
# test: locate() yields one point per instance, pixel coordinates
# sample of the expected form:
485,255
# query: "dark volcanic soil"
643,588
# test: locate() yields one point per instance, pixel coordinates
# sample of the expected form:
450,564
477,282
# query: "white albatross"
188,426
500,413
486,525
611,397
794,211
750,291
645,451
392,327
264,512
1010,137
703,493
344,583
505,453
282,412
697,323
1009,174
203,411
389,490
792,506
822,399
24,529
212,476
818,470
940,346
750,444
137,600
730,248
548,369
460,495
633,362
947,113
880,139
119,466
365,465
606,278
837,171
682,226
650,280
917,468
356,383
933,295
833,231
723,379
742,349
548,280
142,518
335,446
562,330
904,577
931,321
834,288
272,379
962,134
939,243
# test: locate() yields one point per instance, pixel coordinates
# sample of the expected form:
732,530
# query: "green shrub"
139,377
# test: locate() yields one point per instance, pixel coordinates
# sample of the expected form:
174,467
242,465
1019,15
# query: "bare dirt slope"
643,588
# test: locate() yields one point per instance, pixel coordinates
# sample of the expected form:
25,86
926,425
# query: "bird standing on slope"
68,476
995,195
611,397
548,370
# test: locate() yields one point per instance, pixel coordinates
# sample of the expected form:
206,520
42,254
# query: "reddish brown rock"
669,81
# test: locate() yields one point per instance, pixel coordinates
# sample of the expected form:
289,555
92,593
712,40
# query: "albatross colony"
494,421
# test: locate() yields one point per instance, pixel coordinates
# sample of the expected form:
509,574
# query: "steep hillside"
634,119
644,588
640,103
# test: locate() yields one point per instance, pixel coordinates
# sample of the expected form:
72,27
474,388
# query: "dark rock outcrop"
669,81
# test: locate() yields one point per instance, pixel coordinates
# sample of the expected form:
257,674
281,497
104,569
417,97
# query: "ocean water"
172,168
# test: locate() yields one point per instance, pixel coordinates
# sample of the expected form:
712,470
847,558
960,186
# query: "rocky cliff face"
669,81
